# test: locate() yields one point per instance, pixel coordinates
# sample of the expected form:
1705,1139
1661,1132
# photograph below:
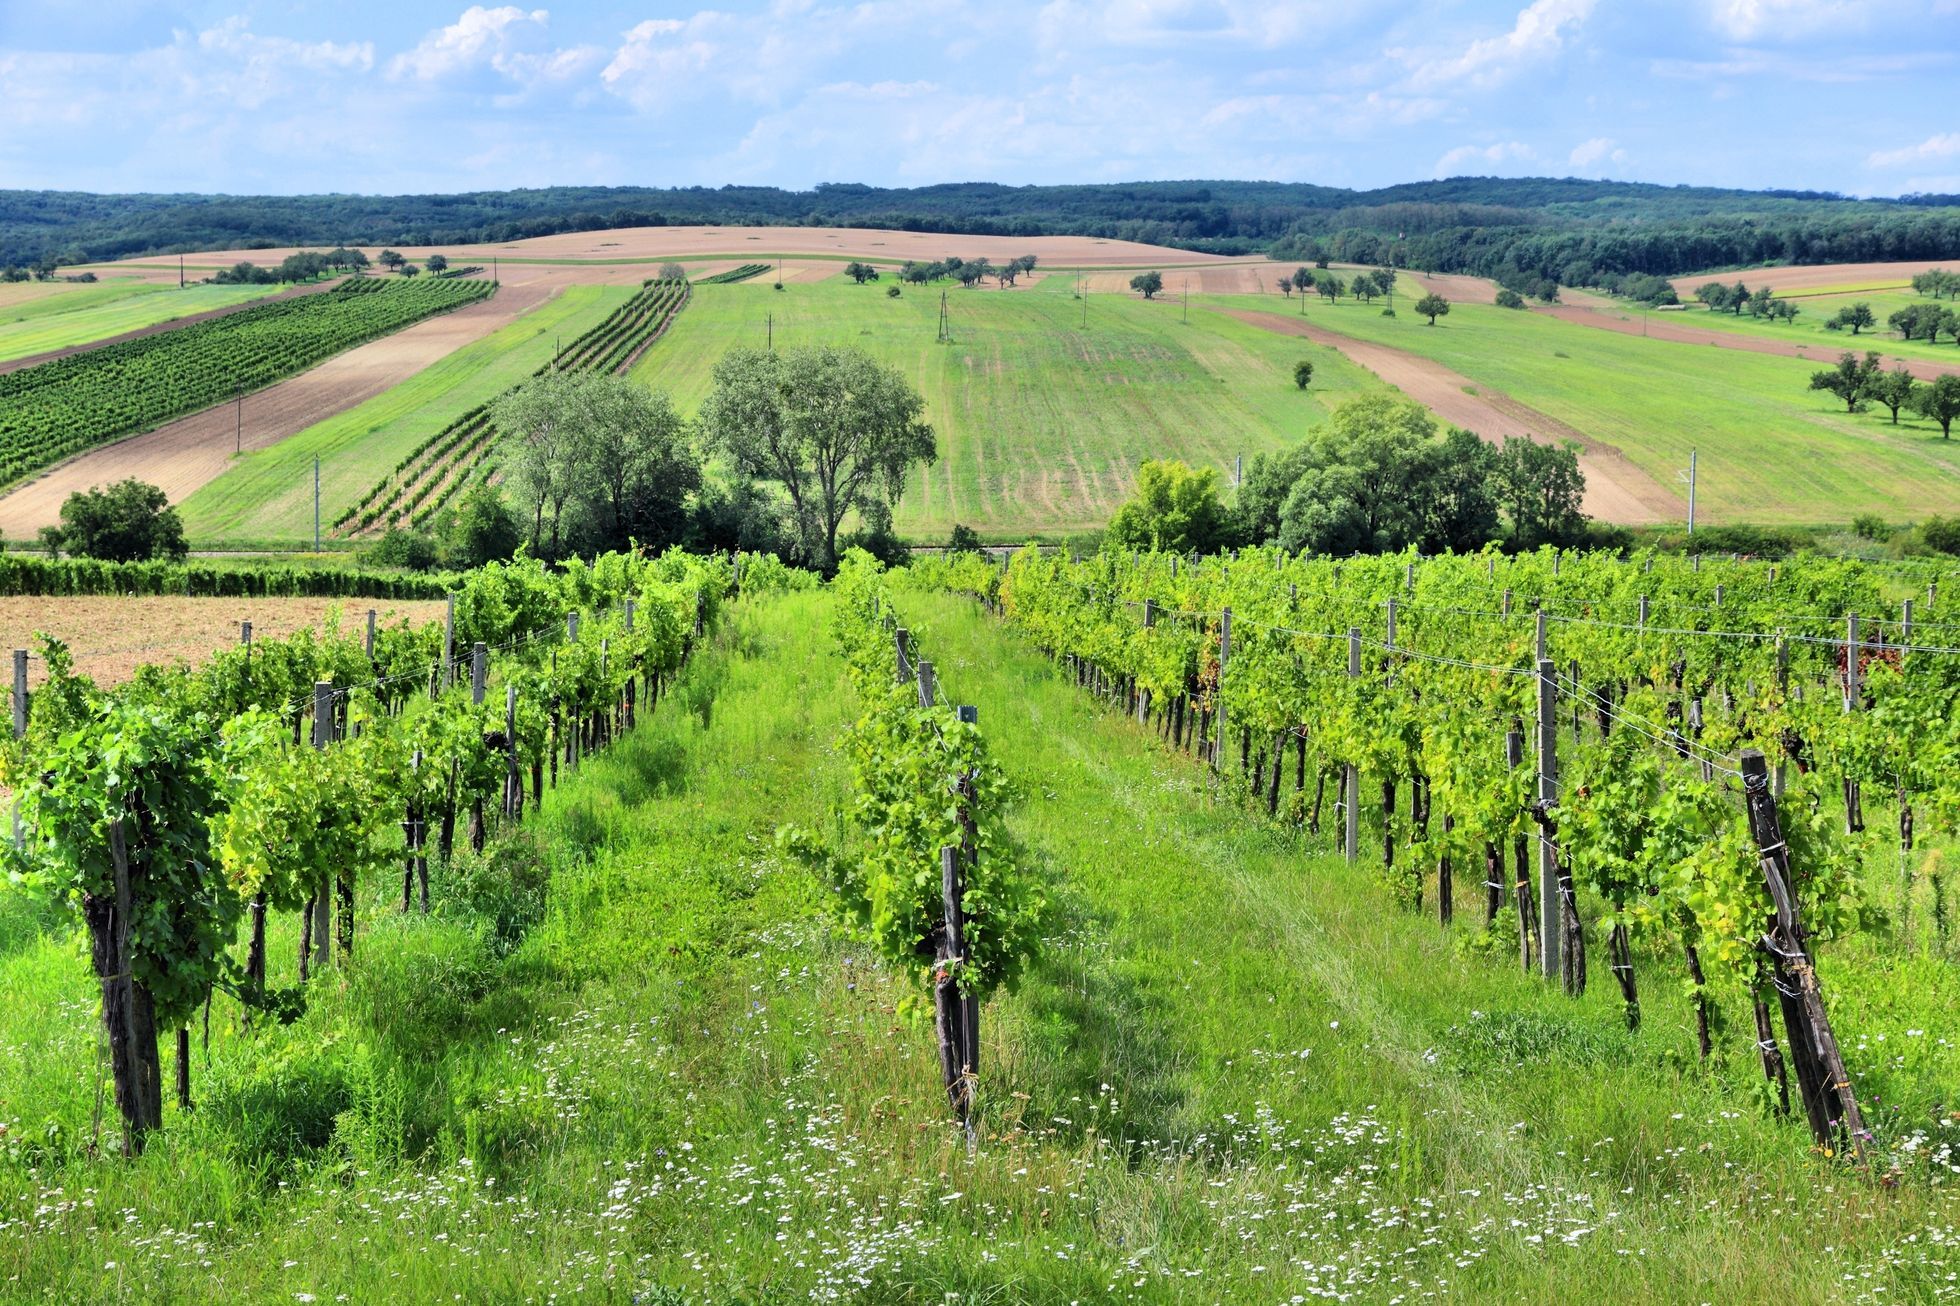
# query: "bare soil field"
599,248
192,451
15,364
1616,490
1814,276
111,637
1669,326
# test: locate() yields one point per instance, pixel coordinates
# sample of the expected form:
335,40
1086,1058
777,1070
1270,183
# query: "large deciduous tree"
1938,401
1433,306
1850,380
1147,283
129,521
834,428
1175,508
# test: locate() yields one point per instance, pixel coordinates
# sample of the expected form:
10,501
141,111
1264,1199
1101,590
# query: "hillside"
1473,224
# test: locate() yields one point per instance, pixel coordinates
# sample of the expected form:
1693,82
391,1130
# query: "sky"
397,96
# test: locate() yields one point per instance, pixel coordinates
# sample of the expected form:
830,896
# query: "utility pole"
1186,295
493,270
1238,470
180,272
945,336
238,434
769,325
316,503
1693,458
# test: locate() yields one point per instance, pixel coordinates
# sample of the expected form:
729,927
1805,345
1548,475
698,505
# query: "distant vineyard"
457,274
733,275
448,462
72,404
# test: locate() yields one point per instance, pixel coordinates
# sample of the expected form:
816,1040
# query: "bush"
1870,526
1757,541
129,521
410,550
891,292
1942,534
964,539
1508,298
1303,373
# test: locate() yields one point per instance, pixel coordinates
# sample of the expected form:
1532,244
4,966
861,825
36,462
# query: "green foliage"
1433,306
1508,298
1175,508
1303,373
410,550
126,522
1147,284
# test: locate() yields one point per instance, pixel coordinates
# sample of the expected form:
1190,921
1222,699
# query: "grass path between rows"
1235,1075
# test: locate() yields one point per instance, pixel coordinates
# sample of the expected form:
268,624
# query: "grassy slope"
1808,329
268,495
95,312
1771,450
1235,1077
1041,422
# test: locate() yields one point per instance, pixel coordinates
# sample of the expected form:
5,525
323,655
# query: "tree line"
1862,382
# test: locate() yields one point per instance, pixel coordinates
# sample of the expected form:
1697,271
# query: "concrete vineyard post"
370,634
513,781
20,692
928,684
1351,774
1643,613
479,671
1539,623
631,605
448,642
1853,695
902,642
1143,697
1548,888
1905,623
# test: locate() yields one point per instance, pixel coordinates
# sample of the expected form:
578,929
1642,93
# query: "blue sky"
430,95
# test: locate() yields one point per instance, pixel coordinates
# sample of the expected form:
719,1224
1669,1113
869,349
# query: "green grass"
86,313
1808,328
1041,421
1771,450
659,1075
268,494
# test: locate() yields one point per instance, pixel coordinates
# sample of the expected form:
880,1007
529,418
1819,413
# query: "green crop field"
629,1057
84,314
1041,419
1770,450
268,495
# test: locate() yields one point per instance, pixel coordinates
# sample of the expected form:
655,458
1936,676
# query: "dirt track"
1669,326
15,364
192,451
1616,490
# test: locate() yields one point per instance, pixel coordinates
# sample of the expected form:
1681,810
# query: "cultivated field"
109,638
87,315
1041,419
1770,450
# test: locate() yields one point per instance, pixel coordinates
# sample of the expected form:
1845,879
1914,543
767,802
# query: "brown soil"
15,364
111,637
1670,326
190,452
1616,490
685,243
1812,277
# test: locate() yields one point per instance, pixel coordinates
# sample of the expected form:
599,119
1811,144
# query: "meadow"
83,314
628,1058
1044,405
1817,307
268,495
1770,450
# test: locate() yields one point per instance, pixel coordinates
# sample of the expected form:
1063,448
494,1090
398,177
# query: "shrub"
410,550
964,539
1303,373
1942,534
1508,298
1870,526
891,292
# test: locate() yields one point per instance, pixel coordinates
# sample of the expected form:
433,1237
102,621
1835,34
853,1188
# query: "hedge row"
30,575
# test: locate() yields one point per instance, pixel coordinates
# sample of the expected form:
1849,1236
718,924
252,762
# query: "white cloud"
1539,33
1745,20
1587,153
1452,163
1943,146
507,41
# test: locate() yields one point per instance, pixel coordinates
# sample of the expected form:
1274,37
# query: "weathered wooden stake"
1351,778
1548,889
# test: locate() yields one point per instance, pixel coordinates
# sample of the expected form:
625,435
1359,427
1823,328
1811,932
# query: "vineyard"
187,805
1705,741
733,275
432,474
72,404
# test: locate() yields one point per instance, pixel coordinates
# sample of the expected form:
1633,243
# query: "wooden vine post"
322,894
1143,695
1549,899
20,730
127,1011
1821,1074
1351,774
956,1012
1218,718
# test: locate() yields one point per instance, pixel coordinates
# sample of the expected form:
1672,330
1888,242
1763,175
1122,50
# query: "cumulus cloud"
508,42
1539,33
1587,153
1454,162
1943,146
1747,20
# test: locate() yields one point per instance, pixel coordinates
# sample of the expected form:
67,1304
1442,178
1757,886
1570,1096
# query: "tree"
672,272
1364,287
127,522
1938,401
1363,480
1714,294
548,450
480,529
1508,298
1849,380
1329,286
1175,508
1942,534
1759,303
860,272
1541,489
436,263
409,270
964,539
1892,389
1856,316
1149,283
1936,282
836,430
1303,281
1303,373
1433,306
915,272
389,259
1738,298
